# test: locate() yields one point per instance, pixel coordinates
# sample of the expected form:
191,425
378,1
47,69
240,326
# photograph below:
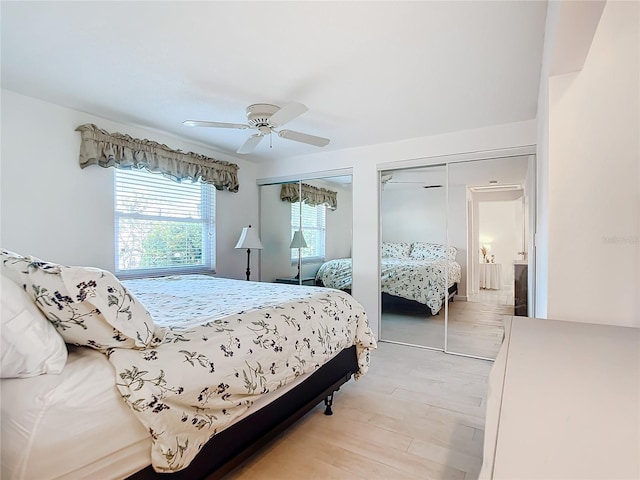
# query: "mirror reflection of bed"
467,206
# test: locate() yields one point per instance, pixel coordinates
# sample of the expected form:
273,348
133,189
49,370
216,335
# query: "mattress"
72,425
75,425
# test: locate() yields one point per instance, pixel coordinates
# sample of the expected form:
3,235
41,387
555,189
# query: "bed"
422,272
189,376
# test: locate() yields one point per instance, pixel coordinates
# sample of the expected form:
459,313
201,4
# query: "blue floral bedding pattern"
424,281
228,342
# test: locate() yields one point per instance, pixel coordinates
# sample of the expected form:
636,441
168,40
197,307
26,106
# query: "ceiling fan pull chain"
270,141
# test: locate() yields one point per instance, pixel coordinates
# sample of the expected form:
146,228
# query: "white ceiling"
370,72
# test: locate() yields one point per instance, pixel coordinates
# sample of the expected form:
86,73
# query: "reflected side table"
491,276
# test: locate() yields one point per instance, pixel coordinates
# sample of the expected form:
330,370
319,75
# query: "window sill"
163,273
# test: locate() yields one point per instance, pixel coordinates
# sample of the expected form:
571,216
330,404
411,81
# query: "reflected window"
313,228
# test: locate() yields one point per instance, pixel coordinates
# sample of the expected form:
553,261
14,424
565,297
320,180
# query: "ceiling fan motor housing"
258,116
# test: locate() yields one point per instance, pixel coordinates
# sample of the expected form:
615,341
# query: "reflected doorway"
497,230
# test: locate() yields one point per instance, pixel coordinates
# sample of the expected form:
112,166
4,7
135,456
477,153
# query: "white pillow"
30,345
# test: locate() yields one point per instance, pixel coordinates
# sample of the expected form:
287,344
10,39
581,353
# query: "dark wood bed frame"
229,448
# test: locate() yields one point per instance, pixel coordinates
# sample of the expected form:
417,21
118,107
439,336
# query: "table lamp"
249,239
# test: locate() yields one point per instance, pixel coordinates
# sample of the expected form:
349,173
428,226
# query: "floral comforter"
229,341
419,280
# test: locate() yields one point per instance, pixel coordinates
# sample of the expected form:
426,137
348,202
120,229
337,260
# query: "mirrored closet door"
488,222
413,262
306,228
455,253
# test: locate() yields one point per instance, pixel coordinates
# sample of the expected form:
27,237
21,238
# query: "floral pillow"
395,249
88,306
432,251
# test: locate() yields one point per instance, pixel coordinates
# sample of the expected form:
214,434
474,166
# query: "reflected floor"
504,296
475,328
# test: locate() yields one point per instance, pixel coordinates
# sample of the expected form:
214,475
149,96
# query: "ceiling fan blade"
287,113
200,123
303,137
251,143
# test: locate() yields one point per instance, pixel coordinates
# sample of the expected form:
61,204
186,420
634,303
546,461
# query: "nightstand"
294,281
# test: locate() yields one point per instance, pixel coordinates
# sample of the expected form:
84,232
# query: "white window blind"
162,225
313,229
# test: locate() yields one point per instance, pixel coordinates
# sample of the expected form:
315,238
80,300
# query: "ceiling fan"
266,118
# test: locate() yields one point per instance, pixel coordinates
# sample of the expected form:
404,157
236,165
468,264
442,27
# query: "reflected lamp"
298,242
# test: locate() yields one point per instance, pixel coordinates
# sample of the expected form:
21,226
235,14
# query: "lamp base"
248,272
297,277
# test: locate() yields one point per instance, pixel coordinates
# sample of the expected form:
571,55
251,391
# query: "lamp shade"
298,240
249,239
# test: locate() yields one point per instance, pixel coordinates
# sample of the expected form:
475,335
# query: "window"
313,229
162,226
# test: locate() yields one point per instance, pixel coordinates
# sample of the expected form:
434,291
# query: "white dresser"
564,403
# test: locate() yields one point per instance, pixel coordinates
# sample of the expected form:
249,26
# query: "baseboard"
460,298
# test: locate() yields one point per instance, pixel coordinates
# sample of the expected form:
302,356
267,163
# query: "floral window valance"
100,147
310,195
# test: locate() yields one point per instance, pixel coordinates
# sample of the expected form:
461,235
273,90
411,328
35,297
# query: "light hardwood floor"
417,414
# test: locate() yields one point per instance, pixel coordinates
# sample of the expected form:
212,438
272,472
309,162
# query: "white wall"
367,161
542,162
594,178
52,209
